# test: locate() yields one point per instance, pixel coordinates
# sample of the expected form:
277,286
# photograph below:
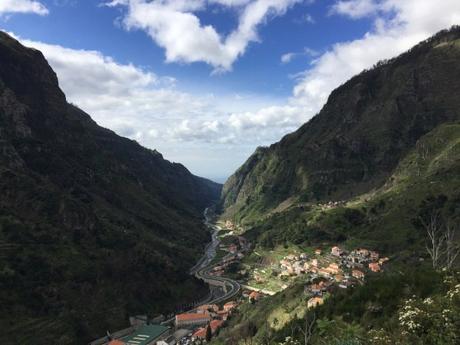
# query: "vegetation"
378,167
93,227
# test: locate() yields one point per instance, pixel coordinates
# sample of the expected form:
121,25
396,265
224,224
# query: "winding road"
203,268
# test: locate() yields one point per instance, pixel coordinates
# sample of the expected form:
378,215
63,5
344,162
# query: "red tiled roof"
192,316
215,324
116,342
254,295
201,333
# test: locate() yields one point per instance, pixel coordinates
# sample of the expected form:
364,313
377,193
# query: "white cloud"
22,6
288,57
174,25
199,130
356,8
398,25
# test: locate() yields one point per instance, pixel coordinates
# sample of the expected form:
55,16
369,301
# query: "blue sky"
207,81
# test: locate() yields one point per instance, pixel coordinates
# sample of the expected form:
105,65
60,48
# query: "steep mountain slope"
93,227
386,150
354,144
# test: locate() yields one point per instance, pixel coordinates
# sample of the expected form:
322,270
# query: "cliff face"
93,227
354,144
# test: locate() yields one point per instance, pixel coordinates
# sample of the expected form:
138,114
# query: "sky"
206,82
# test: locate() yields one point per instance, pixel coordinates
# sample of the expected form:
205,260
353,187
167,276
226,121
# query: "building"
363,252
254,296
314,302
334,268
374,267
383,260
230,305
336,251
223,315
207,307
116,342
339,278
147,335
192,319
357,274
324,272
317,288
216,325
200,333
318,251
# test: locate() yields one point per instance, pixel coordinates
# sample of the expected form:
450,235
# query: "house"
147,335
324,272
339,278
363,252
254,296
374,267
303,256
116,342
215,325
314,302
357,274
200,333
192,319
383,260
230,305
316,288
334,268
314,262
223,315
318,251
336,251
207,307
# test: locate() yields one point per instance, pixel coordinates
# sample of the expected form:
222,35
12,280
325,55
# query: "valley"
345,230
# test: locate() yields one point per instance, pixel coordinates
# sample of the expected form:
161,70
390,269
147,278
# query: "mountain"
355,143
380,160
93,226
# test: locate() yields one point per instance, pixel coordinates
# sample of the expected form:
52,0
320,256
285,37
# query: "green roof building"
147,335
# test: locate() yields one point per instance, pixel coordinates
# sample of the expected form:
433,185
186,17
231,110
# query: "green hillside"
93,227
354,144
381,158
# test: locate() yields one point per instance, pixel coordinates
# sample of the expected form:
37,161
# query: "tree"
452,248
432,223
307,329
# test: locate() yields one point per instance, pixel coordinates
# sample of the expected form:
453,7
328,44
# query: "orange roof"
116,342
215,324
230,304
201,333
191,316
254,295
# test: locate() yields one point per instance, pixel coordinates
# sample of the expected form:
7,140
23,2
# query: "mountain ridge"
358,137
91,223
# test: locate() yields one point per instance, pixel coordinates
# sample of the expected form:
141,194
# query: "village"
334,268
324,270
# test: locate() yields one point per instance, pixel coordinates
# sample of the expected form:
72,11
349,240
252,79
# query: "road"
225,288
203,267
